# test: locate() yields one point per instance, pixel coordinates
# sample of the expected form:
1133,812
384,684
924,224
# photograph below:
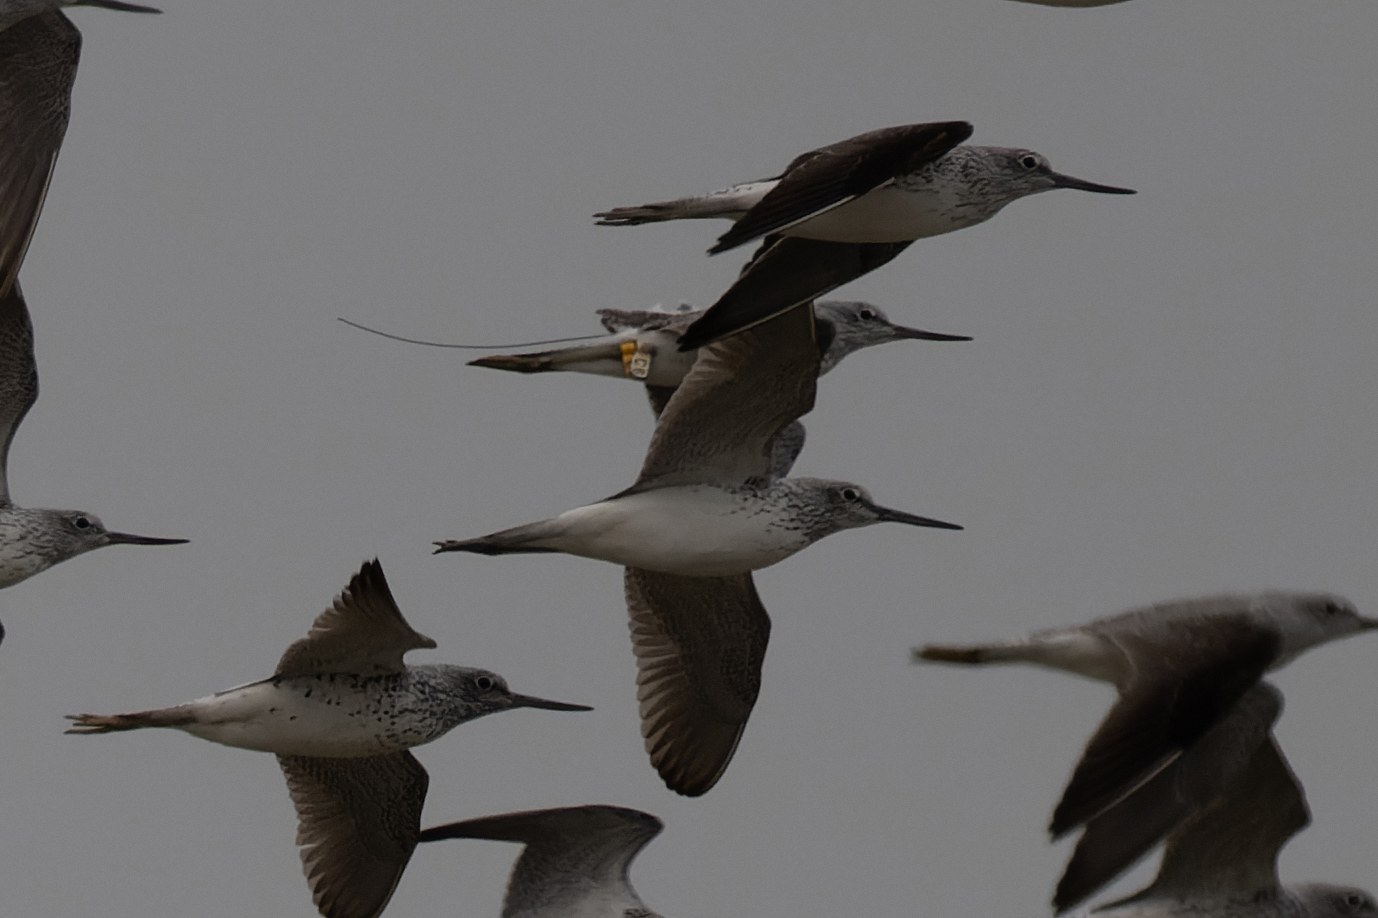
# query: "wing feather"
362,633
700,643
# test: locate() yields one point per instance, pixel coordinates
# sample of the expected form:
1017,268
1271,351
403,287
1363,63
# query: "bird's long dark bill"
1369,623
116,5
887,515
125,538
1066,181
526,701
921,335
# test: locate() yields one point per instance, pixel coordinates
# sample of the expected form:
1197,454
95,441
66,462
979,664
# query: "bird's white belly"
303,716
694,531
889,214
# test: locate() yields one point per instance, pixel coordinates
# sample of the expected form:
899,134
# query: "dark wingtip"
725,243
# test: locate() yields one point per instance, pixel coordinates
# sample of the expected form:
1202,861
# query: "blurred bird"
575,861
844,210
1222,862
341,711
707,509
1191,710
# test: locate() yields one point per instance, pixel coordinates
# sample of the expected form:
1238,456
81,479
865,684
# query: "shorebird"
843,210
33,540
706,511
575,861
640,345
1222,863
1191,708
341,711
39,48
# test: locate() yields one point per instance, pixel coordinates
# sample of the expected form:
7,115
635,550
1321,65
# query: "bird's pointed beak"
1066,181
117,5
1367,624
886,515
919,334
125,538
527,701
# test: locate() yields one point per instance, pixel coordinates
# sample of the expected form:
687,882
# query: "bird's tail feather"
115,723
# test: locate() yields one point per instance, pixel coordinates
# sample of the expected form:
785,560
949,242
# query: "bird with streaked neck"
710,506
341,712
843,210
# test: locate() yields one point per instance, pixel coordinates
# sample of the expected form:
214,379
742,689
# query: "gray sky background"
1168,395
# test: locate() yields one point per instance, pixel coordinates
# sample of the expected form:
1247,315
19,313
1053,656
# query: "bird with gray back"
1222,861
704,513
39,48
641,346
843,210
340,712
33,540
1190,704
575,862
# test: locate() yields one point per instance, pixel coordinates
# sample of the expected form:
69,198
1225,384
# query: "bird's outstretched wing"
719,426
700,643
359,820
363,633
831,176
574,856
38,63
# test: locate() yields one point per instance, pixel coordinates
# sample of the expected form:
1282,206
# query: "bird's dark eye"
867,314
1332,608
483,683
1354,900
850,494
81,522
1029,162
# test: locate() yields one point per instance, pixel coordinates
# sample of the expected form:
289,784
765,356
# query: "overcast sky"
1168,395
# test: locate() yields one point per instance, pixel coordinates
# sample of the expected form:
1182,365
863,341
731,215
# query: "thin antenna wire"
467,347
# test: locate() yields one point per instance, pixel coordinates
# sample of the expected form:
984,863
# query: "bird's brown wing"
362,633
1185,680
38,63
1174,798
358,823
700,643
719,425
